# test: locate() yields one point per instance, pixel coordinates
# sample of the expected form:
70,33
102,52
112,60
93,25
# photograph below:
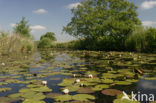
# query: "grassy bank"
14,45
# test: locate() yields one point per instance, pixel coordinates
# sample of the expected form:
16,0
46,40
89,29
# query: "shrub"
49,35
45,43
142,40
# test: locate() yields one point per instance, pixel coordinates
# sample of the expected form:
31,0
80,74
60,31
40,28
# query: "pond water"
111,73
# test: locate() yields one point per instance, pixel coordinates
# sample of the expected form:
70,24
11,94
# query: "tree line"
109,25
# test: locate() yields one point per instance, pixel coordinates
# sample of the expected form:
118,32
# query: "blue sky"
51,15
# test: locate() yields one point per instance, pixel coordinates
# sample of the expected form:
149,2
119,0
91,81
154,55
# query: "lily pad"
5,89
111,92
72,88
52,95
83,97
63,98
107,81
67,82
150,78
100,87
122,82
85,90
32,101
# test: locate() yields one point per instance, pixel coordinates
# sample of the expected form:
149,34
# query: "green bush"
49,35
47,40
45,43
142,40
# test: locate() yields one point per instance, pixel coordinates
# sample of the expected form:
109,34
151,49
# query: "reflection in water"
147,87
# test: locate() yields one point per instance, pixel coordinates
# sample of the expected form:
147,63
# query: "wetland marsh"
113,73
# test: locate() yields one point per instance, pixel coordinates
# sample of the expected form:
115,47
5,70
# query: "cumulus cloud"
148,4
34,27
37,27
149,23
12,25
40,11
73,5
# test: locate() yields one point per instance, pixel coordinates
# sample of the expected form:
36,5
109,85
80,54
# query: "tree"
99,18
44,43
23,28
49,35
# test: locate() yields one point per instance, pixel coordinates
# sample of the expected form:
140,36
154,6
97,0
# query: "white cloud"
12,25
73,5
37,27
40,11
34,27
148,4
149,23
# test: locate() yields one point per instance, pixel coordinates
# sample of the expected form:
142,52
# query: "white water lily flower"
44,82
66,91
77,80
90,76
3,64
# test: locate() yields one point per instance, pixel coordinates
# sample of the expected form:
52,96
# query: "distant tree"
23,28
49,35
97,18
44,43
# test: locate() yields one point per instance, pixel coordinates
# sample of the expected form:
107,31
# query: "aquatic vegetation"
122,82
52,95
83,68
32,93
32,101
82,102
66,74
126,73
7,100
107,81
4,89
111,92
83,97
16,95
3,83
110,71
87,83
92,80
91,72
111,76
150,78
100,87
131,80
63,98
85,90
67,82
72,88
